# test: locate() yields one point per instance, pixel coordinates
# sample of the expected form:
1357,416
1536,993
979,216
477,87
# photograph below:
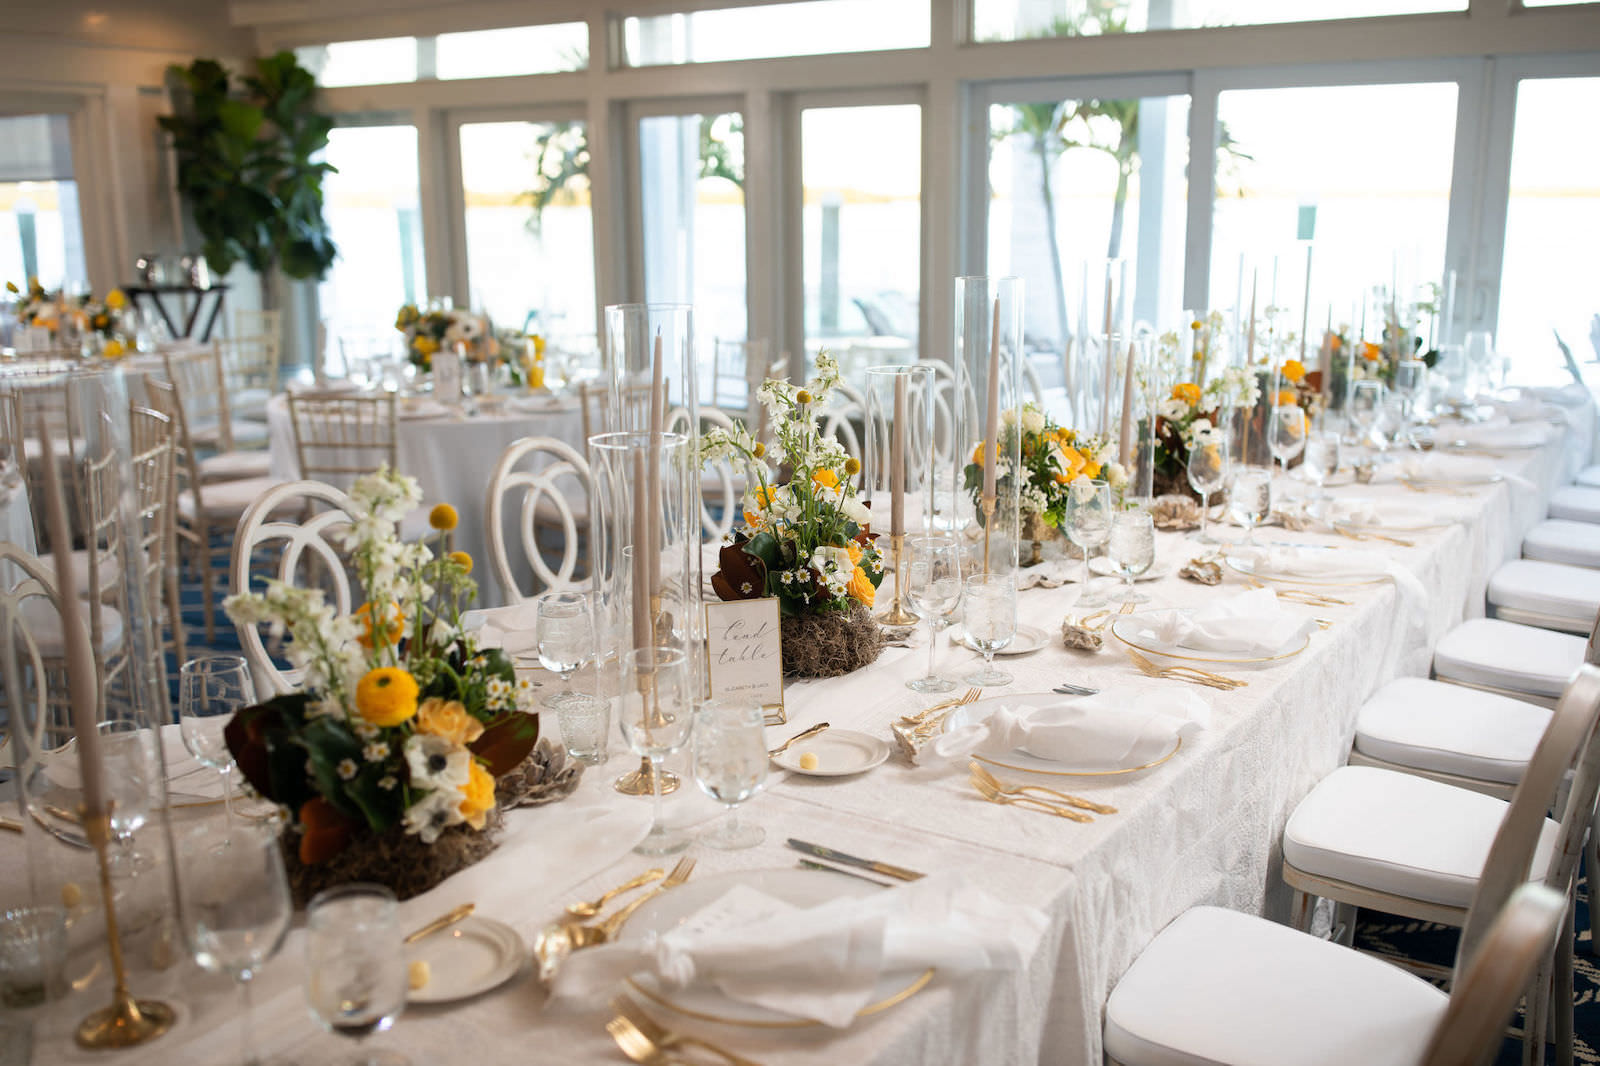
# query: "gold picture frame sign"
744,654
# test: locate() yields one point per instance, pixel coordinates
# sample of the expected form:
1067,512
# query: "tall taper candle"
897,461
643,623
652,500
1111,361
991,423
82,685
1250,343
1305,306
1125,437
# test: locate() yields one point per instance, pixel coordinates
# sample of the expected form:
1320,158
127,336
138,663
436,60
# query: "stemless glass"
730,765
1088,523
1251,498
1322,462
656,714
1132,549
991,622
1366,399
356,975
235,914
1208,470
210,689
565,631
933,588
1287,433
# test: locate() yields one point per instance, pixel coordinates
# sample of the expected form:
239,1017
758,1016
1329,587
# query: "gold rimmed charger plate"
1476,481
1125,622
798,886
1032,764
1296,579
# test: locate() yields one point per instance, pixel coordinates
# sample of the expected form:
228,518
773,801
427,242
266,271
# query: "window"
1552,228
530,242
1014,20
818,27
508,52
372,212
375,62
41,234
861,186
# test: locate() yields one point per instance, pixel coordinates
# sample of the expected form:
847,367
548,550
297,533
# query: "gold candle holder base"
641,782
896,614
128,1022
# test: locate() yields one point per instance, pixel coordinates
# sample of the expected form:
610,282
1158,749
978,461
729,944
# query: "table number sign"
744,653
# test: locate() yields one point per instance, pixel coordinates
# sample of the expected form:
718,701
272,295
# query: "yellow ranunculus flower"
386,696
116,300
1370,352
1287,398
394,624
1188,392
443,517
425,345
477,796
861,588
462,559
1091,470
448,719
113,350
825,478
1294,370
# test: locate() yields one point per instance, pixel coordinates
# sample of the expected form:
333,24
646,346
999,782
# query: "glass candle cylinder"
988,365
899,464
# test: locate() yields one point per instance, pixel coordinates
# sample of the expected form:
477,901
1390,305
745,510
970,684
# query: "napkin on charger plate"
1491,435
822,963
1250,623
1097,732
1456,468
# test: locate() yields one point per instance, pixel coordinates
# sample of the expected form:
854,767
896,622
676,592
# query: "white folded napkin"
1524,408
822,962
1250,623
1462,468
513,628
1513,435
1092,732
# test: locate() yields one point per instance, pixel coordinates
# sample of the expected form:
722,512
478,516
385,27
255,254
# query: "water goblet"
1366,399
1410,383
130,772
730,765
1088,523
566,641
1287,433
356,973
210,689
1207,469
1250,497
933,588
1321,463
656,713
1131,549
990,615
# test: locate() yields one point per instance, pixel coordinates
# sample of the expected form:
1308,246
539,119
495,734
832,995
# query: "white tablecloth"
1204,828
452,457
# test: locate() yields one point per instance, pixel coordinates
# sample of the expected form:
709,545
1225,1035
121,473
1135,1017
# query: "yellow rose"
443,517
113,350
1294,370
1370,352
448,719
861,588
386,696
116,300
477,796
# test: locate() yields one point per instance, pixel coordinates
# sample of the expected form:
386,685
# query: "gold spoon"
590,908
802,735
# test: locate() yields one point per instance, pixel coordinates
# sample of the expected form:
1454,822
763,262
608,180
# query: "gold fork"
1192,674
590,908
638,1029
1368,534
981,772
609,928
561,938
927,723
1043,806
1305,596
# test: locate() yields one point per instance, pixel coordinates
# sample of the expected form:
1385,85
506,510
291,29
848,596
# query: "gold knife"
444,921
899,873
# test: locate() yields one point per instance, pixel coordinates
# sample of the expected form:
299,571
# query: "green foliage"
246,165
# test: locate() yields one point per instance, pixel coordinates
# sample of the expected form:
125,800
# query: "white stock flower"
1032,419
1116,475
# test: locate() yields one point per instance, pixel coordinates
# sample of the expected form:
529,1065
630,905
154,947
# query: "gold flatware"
978,771
590,908
1305,596
1368,534
444,921
802,735
877,866
809,864
561,938
609,928
1435,488
633,1027
1192,674
929,722
12,826
1027,802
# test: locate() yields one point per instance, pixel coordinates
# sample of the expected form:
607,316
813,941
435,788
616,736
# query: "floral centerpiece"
72,317
385,761
1052,457
434,329
807,542
1190,417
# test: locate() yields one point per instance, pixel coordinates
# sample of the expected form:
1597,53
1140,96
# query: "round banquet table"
452,457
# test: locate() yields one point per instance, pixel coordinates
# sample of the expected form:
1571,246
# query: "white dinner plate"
467,959
535,404
1250,568
1101,566
839,752
802,888
1134,630
1028,639
1396,517
1345,475
1453,479
980,710
421,408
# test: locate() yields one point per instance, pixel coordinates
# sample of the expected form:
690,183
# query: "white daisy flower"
348,769
377,751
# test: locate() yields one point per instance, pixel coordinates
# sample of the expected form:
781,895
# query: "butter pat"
71,895
418,974
808,761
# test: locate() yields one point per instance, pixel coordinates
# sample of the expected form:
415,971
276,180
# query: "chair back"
844,413
556,492
1521,936
37,392
1569,744
945,407
36,693
718,482
250,362
202,394
103,546
1032,388
738,367
339,437
248,323
594,403
153,455
166,400
307,557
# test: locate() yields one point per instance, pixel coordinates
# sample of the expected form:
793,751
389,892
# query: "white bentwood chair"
720,482
556,491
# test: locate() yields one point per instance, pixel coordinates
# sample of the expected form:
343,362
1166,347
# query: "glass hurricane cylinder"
898,470
633,333
988,365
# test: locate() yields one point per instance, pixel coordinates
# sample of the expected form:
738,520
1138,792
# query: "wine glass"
1207,469
656,714
235,914
933,588
1366,399
991,620
730,765
1251,498
356,974
1088,521
1287,433
566,641
1322,462
1410,383
1131,549
211,689
129,761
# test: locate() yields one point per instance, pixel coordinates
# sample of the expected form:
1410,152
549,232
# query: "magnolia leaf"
506,741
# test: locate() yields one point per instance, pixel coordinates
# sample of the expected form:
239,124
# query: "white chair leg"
1591,861
1344,924
1561,998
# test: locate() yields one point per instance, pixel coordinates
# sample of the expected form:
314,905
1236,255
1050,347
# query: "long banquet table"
1203,828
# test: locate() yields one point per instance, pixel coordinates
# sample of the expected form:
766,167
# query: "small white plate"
467,959
1102,567
839,752
1028,639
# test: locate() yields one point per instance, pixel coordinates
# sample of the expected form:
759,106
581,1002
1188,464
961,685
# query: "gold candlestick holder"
127,1022
642,782
896,614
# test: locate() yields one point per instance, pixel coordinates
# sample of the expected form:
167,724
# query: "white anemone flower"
437,763
433,814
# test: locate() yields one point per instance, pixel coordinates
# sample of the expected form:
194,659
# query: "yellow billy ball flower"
443,517
116,300
462,559
759,450
386,696
802,396
852,466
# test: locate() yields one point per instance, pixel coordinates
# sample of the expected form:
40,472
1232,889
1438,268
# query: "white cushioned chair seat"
44,625
1504,655
1561,540
1577,502
1589,477
1399,833
241,430
230,499
232,466
80,572
249,403
1449,729
1217,986
1568,592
